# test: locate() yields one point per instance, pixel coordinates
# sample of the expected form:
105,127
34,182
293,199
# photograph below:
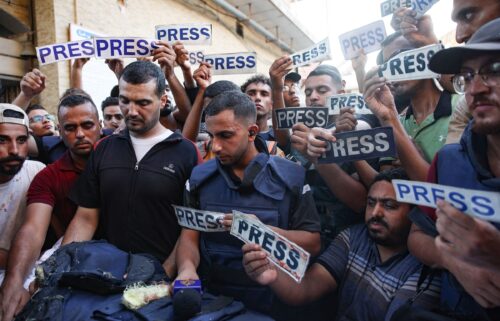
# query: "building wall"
138,18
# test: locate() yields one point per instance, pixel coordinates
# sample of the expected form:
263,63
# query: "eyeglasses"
41,118
489,74
290,87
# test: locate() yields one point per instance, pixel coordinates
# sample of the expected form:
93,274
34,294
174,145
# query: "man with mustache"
16,174
132,179
466,247
368,265
49,210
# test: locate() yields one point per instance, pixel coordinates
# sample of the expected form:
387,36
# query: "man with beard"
244,177
16,174
49,210
367,265
132,179
421,131
464,246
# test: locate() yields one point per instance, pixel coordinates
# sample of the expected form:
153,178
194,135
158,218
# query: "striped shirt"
369,289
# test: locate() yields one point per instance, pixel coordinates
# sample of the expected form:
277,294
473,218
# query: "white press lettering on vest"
237,63
352,100
481,204
367,38
410,65
188,34
123,47
65,51
309,116
318,52
286,255
204,221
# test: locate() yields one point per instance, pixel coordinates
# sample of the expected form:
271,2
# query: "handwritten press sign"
233,63
352,100
286,255
188,34
410,65
204,221
309,116
359,145
388,7
422,6
65,51
480,204
318,52
367,38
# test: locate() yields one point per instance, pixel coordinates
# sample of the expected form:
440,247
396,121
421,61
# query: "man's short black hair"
74,91
75,100
141,72
34,107
327,70
256,79
389,175
109,101
219,87
115,91
242,106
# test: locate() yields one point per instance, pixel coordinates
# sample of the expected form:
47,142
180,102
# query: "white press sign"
318,52
367,38
410,65
204,221
188,34
480,204
124,47
233,63
286,255
309,116
352,100
65,51
388,7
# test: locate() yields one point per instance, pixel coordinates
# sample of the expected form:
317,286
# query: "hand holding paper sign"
257,265
418,31
468,238
203,75
278,70
228,220
347,120
317,142
33,83
165,56
299,138
182,55
379,98
116,65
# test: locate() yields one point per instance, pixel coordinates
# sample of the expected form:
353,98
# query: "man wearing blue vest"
466,248
244,177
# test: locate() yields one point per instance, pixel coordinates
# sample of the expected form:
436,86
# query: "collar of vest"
443,107
175,137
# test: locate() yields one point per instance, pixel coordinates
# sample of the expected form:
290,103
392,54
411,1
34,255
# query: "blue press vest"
275,188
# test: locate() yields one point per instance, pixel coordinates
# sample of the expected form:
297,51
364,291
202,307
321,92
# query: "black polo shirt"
135,198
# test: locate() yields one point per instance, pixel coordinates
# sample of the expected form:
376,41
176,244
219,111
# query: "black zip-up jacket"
135,198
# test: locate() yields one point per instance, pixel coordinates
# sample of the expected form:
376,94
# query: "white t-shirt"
13,201
143,145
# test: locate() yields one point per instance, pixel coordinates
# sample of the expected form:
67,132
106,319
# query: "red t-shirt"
51,186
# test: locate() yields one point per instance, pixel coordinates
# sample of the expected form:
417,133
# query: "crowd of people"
216,146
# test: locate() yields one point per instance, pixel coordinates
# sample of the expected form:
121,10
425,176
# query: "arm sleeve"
41,189
86,191
304,216
335,258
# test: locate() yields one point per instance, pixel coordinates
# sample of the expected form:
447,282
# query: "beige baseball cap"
14,115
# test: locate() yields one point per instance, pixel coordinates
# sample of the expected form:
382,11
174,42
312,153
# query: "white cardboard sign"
316,53
352,100
410,65
123,47
367,38
286,255
65,51
233,63
204,221
188,34
480,204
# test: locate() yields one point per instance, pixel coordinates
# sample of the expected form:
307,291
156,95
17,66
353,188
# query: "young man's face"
291,94
230,136
140,106
386,218
113,117
484,100
470,15
80,128
42,123
319,88
13,148
260,94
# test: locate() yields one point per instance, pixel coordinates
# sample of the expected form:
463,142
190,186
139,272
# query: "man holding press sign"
243,177
367,264
466,247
